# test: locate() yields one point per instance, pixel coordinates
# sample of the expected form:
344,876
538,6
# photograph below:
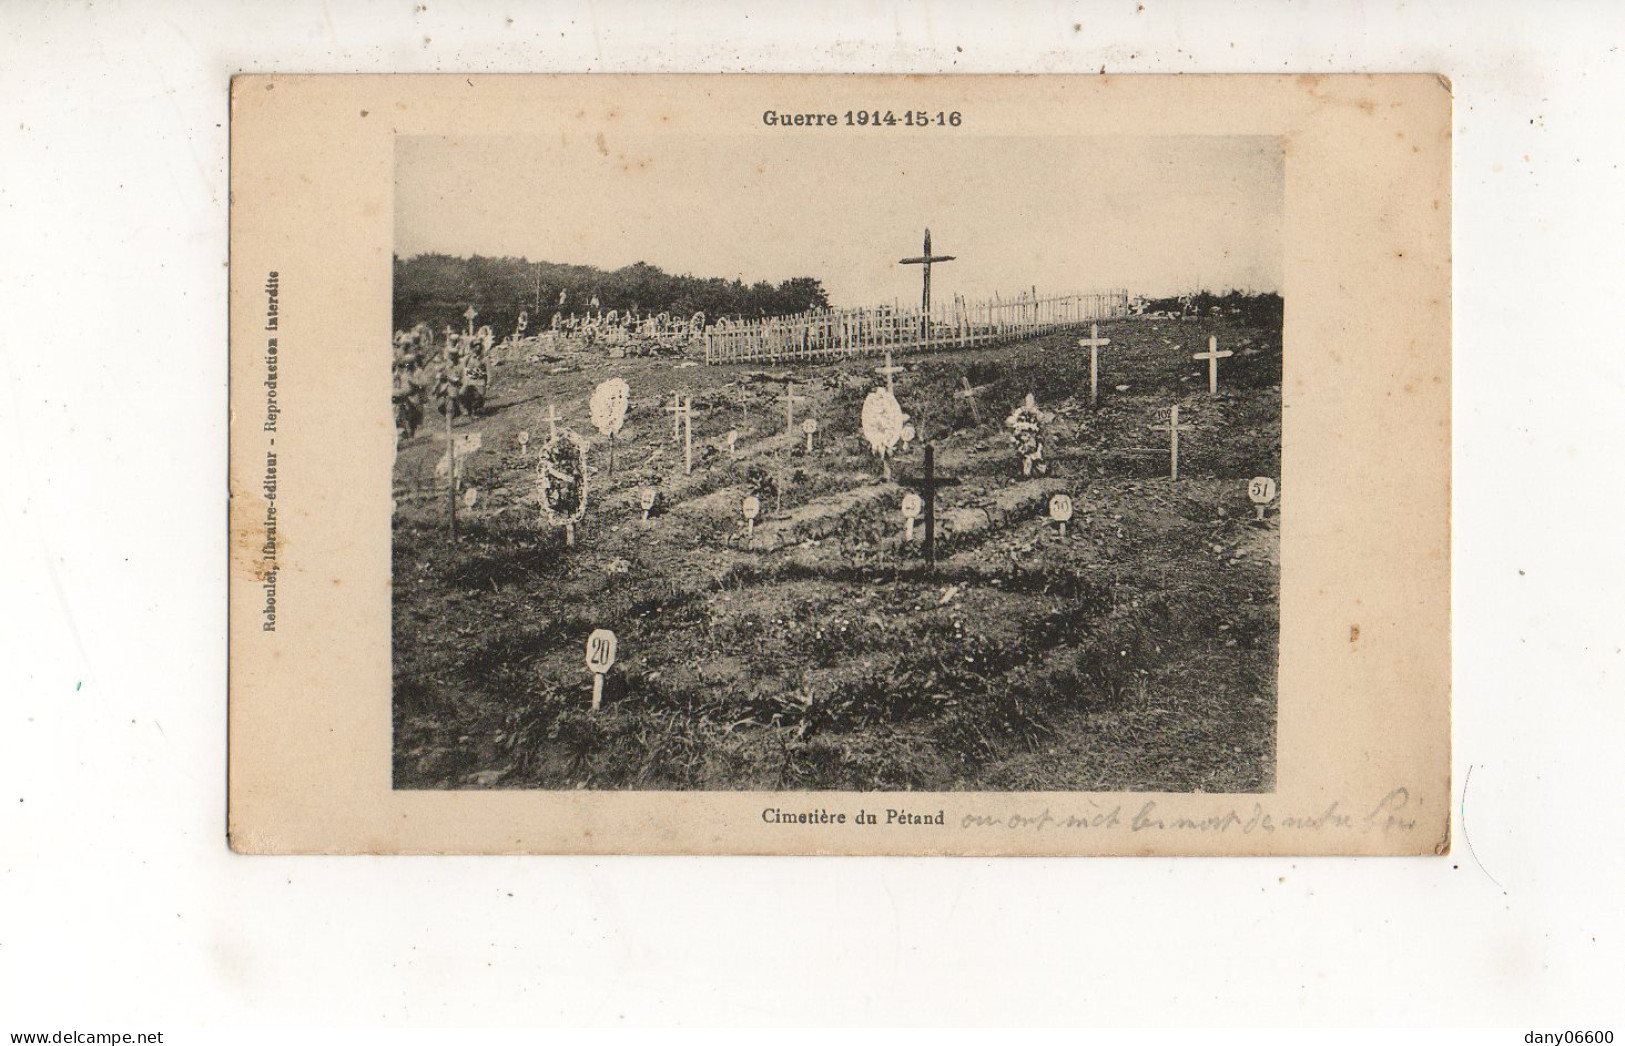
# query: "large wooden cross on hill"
926,259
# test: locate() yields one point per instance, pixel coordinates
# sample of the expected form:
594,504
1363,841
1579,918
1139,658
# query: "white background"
120,906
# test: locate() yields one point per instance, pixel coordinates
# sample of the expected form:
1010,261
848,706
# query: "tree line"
438,288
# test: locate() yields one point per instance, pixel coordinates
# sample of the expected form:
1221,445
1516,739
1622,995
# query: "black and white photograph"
925,461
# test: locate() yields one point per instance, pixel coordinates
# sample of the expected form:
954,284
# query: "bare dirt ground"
1137,652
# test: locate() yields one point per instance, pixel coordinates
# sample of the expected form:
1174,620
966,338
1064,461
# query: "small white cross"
888,370
1094,343
1173,428
676,412
1213,356
688,435
790,400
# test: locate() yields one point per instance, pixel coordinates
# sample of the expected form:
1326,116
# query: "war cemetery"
1023,543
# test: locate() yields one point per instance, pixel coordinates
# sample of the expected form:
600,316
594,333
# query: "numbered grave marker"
1261,491
907,435
1060,510
733,442
751,507
524,440
1173,428
809,426
600,659
647,500
911,512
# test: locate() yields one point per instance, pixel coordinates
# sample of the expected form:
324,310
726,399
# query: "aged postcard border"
1363,726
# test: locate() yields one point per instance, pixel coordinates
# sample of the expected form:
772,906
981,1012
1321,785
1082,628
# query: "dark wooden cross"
926,259
927,485
968,393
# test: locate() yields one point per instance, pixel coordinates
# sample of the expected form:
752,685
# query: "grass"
1139,653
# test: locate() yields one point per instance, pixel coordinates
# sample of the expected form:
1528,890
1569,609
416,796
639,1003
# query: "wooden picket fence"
827,334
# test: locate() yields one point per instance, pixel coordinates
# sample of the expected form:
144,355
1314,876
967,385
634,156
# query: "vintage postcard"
840,465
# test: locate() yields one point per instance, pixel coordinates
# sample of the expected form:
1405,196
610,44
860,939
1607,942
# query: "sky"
1155,215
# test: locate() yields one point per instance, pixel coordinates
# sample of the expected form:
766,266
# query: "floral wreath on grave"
883,421
608,405
563,478
1026,424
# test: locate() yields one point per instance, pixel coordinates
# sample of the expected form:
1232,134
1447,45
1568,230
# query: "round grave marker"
1261,490
751,506
911,511
600,658
601,650
1060,508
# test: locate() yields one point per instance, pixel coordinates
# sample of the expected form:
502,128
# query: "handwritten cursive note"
1388,816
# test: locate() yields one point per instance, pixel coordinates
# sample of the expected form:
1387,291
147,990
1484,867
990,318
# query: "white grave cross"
1213,356
676,412
790,401
1094,343
688,435
1173,428
888,370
